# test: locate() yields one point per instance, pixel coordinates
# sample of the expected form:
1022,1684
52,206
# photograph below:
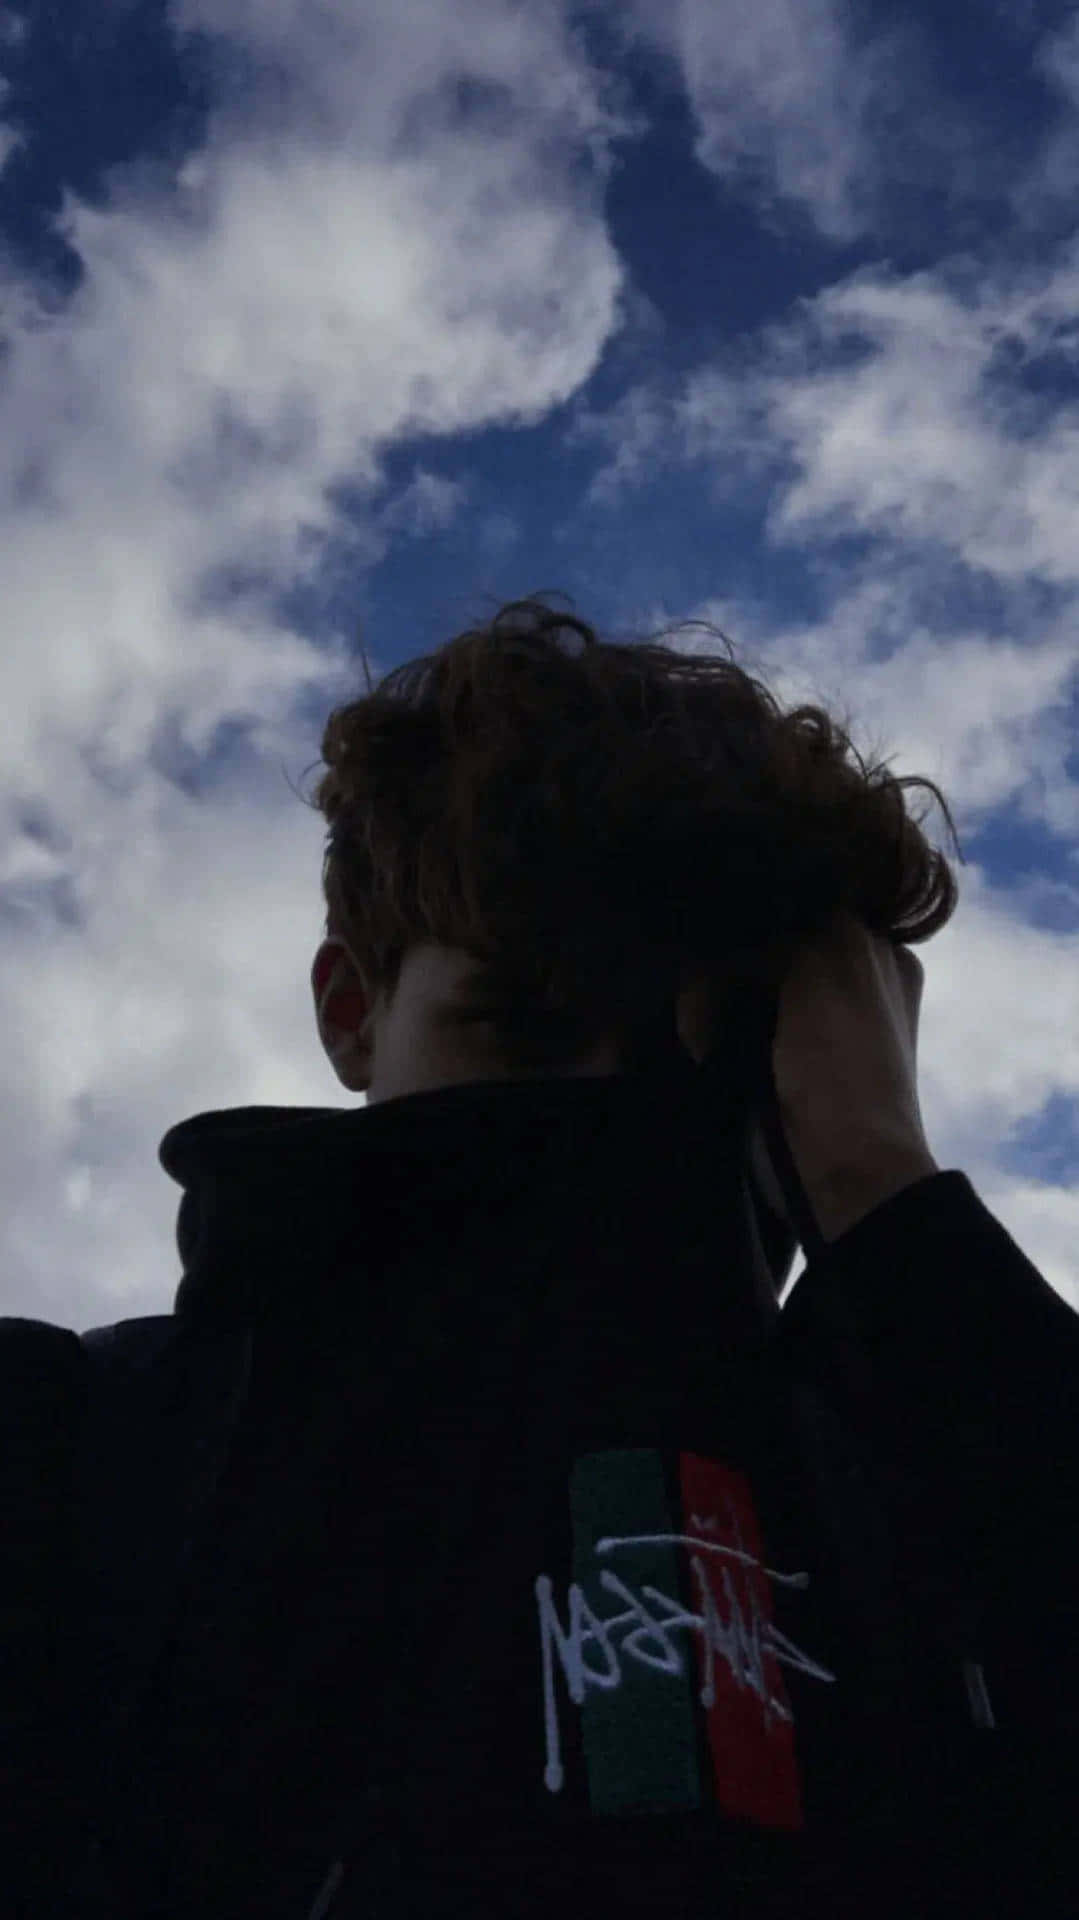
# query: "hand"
844,1062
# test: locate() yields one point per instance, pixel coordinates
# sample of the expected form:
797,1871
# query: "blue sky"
314,315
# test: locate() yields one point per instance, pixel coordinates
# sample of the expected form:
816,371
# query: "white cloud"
927,436
14,28
890,406
806,110
1045,191
894,407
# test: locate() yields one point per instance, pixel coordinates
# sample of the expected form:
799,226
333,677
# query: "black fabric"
429,1356
42,1404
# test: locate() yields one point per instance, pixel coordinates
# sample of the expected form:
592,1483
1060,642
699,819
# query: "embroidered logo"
692,1615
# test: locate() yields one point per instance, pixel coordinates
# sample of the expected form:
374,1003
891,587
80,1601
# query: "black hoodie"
478,1535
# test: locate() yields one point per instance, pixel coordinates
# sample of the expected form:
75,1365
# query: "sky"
321,321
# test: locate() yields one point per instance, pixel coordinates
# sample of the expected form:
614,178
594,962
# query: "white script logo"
740,1642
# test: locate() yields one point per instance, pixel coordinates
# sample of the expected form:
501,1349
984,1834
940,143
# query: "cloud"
811,112
897,407
933,434
1045,192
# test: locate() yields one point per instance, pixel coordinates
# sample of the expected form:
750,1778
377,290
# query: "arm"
844,1063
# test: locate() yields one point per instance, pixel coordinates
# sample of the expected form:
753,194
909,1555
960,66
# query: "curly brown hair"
597,822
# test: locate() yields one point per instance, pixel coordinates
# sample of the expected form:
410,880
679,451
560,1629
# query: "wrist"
853,1191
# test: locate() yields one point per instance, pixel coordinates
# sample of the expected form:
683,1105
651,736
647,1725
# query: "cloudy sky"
318,319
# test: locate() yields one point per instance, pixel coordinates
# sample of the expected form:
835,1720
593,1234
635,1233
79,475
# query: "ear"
343,1014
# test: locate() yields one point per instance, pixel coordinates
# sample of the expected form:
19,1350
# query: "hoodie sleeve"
42,1384
970,1365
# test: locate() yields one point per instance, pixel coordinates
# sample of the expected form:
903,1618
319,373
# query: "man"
476,1534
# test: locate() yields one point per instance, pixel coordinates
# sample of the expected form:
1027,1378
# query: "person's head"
535,847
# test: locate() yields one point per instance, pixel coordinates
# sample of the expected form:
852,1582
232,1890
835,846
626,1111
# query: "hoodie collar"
276,1198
